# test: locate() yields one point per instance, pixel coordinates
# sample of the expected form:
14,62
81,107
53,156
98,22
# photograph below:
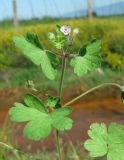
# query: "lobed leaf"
54,58
33,38
88,58
97,144
21,113
39,128
59,119
34,102
39,121
105,141
115,142
36,55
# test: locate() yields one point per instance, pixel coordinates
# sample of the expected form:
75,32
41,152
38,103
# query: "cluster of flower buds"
67,30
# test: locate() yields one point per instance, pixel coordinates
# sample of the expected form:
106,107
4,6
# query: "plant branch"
91,90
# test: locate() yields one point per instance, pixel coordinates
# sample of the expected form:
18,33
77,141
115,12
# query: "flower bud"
75,31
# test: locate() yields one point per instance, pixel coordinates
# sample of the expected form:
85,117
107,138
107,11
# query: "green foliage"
116,45
33,38
55,61
97,144
122,94
39,120
88,59
36,55
34,102
60,120
57,39
105,141
115,60
52,102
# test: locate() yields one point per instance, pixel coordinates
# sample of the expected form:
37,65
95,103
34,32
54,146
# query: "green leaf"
38,128
22,113
122,94
36,55
97,144
34,102
33,38
88,61
112,141
39,125
115,142
53,102
59,45
57,39
39,121
83,49
53,58
60,120
58,32
58,29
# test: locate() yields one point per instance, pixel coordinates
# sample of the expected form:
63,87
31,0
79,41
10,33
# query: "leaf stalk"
91,90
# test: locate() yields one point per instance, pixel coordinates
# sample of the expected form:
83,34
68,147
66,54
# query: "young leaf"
57,39
36,55
39,121
53,102
89,61
112,141
58,30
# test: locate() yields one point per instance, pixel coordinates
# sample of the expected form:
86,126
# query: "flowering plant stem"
91,90
60,92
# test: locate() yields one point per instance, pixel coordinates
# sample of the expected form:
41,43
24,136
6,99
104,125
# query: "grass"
19,77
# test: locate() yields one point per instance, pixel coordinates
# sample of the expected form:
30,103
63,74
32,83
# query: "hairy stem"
91,90
60,92
62,76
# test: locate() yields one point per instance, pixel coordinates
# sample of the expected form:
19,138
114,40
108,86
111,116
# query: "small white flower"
66,30
75,30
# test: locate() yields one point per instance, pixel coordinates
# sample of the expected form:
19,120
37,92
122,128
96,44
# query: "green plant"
44,115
